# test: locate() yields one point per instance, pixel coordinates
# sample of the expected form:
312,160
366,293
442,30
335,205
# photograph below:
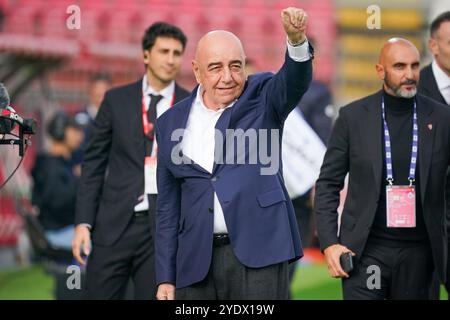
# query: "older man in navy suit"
226,228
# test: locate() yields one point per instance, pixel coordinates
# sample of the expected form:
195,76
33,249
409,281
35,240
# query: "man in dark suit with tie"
117,195
98,85
394,145
227,229
435,84
435,78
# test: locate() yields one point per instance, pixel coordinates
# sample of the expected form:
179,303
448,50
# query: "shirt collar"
92,111
199,101
442,79
167,92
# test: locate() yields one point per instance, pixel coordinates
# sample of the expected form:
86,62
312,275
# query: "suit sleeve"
167,218
331,181
285,89
94,166
447,197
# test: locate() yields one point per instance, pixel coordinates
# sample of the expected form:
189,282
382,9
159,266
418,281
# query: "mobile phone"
346,261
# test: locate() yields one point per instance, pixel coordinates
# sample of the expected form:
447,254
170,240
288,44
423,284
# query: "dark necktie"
151,116
152,113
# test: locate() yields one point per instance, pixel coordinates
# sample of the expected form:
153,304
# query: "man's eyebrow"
213,64
399,64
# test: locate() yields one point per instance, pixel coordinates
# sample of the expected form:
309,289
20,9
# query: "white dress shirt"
198,140
442,80
163,105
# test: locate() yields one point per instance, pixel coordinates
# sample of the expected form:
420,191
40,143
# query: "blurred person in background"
435,78
55,183
394,146
117,196
435,83
250,66
99,83
317,104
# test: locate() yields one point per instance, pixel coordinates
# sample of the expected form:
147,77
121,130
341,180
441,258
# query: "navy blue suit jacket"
259,215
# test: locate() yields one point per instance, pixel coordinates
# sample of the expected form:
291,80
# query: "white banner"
303,153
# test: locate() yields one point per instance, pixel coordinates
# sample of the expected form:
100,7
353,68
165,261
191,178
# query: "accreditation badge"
150,175
401,206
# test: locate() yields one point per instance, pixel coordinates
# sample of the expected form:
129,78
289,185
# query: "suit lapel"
180,94
183,111
229,118
373,136
427,128
135,102
431,86
222,124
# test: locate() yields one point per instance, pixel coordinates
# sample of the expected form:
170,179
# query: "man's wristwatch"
297,44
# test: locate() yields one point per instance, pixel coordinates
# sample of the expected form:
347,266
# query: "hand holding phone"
333,255
346,260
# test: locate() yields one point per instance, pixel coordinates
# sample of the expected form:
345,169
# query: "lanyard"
387,144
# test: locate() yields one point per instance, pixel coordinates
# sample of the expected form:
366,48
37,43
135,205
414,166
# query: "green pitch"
310,283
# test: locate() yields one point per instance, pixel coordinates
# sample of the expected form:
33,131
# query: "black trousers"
229,279
110,269
305,218
305,221
404,273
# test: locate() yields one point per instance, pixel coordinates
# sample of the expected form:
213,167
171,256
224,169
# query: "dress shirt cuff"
87,225
325,243
299,53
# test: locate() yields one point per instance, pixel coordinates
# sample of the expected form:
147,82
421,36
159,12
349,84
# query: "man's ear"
433,47
380,71
196,70
146,56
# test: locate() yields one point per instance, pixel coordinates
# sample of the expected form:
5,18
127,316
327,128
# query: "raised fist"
294,23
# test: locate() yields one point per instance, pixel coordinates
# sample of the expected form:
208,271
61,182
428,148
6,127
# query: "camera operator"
55,184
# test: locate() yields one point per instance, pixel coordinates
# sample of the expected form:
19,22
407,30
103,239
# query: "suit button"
214,179
211,210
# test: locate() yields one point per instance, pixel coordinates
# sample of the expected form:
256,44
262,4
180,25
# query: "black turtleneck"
399,118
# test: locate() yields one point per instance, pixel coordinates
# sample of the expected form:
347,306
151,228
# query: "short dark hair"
440,19
162,29
58,124
249,61
100,76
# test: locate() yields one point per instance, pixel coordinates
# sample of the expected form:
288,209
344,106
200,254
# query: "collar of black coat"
372,103
397,104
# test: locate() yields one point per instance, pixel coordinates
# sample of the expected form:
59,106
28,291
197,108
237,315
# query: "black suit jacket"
112,176
355,147
428,85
